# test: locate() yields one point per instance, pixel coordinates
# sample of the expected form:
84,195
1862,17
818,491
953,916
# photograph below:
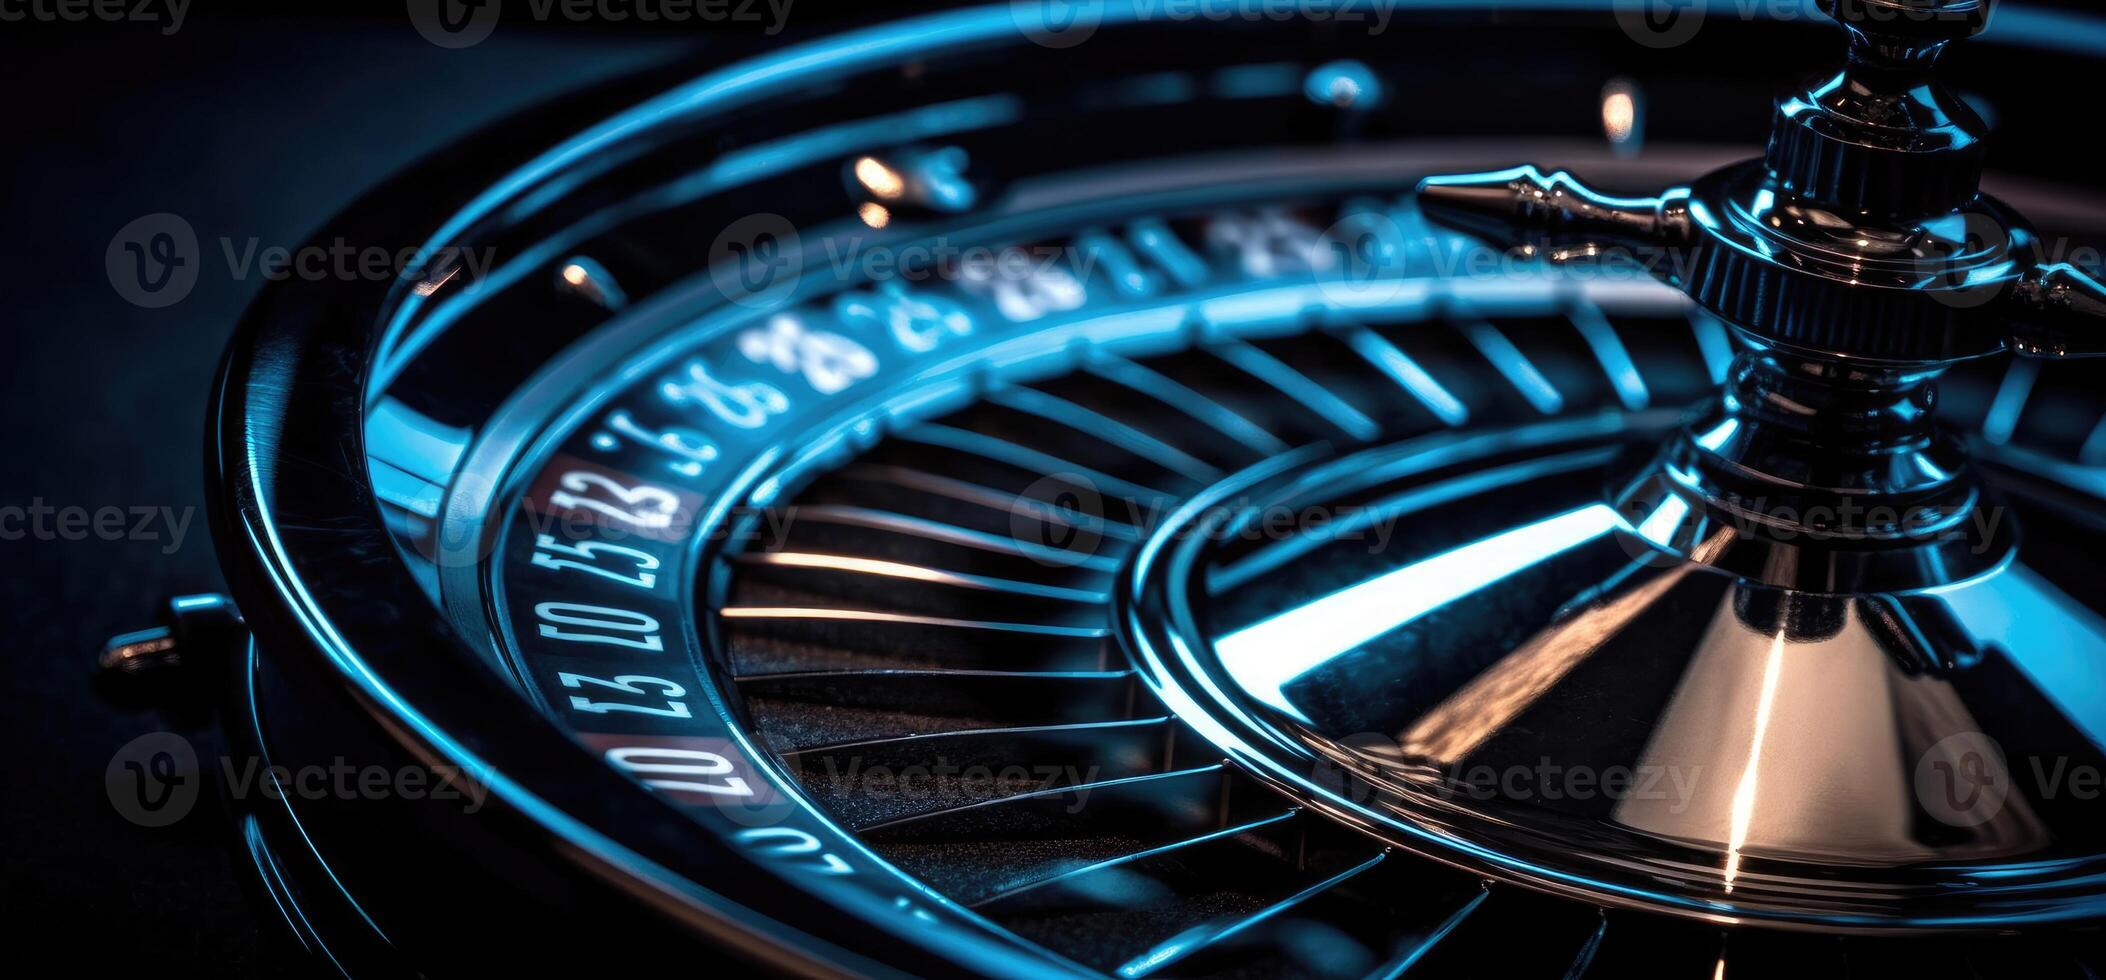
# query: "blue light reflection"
1265,657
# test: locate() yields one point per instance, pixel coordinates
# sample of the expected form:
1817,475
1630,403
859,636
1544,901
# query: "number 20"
652,761
611,624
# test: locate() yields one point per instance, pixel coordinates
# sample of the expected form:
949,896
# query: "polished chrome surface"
1532,683
1809,594
1860,236
1856,262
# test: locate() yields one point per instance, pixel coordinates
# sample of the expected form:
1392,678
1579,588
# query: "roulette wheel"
1105,488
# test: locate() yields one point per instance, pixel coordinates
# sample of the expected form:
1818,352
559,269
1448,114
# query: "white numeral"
1119,263
748,405
616,627
628,684
643,505
917,323
690,449
829,362
546,548
793,843
1023,288
1270,243
685,762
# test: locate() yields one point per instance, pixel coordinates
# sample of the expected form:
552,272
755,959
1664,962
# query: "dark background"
254,123
251,123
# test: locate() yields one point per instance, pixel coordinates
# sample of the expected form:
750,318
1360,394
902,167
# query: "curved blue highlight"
1265,657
